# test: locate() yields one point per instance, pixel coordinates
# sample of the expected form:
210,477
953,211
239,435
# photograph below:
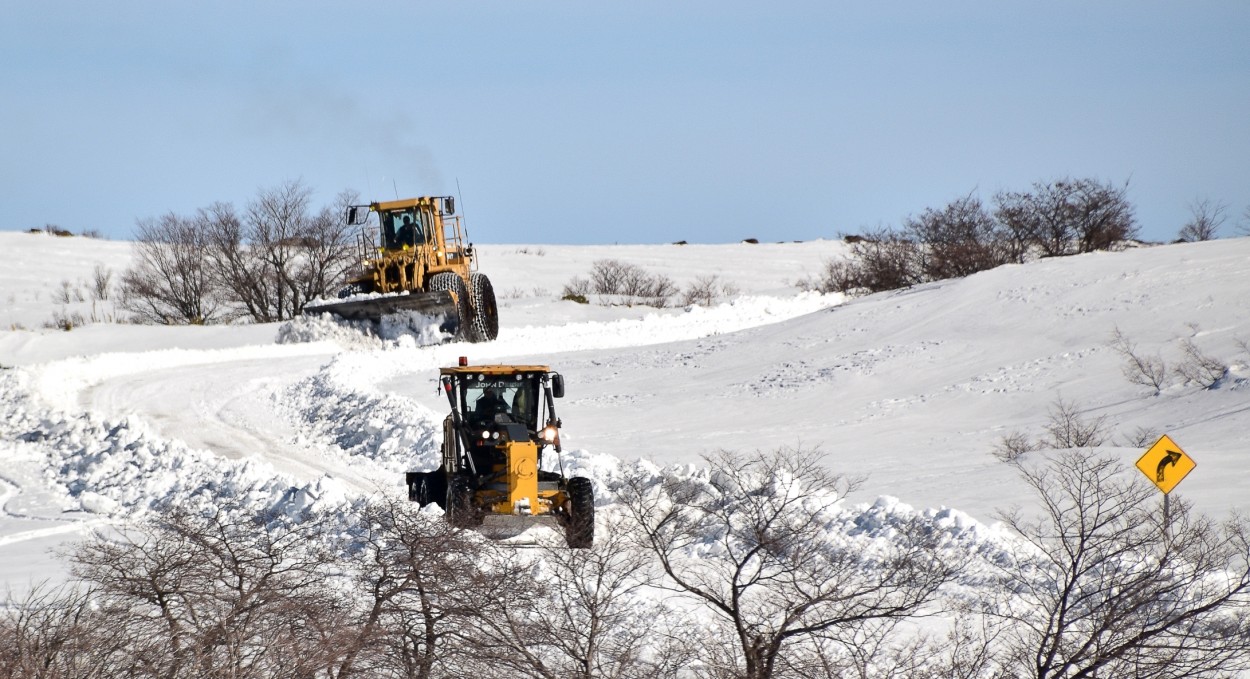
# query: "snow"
910,390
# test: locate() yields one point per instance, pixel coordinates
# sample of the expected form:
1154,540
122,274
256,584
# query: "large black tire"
579,532
485,324
424,488
460,509
450,282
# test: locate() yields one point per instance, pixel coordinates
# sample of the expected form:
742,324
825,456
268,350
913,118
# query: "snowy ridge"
120,469
341,405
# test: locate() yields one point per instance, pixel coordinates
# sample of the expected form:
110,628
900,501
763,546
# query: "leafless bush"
65,320
1148,371
614,278
101,282
707,290
1205,219
1065,216
1065,428
577,287
1142,437
958,240
296,255
1106,589
67,293
1068,429
1198,367
215,265
886,260
838,275
774,580
1013,446
597,620
216,595
607,276
170,282
422,585
59,632
639,283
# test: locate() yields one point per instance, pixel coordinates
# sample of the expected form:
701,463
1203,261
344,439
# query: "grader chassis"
417,262
502,420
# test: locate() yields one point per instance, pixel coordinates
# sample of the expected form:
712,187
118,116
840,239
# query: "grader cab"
494,473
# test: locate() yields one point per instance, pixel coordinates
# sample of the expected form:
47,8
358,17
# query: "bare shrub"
66,320
885,260
613,278
597,618
576,287
59,632
216,595
101,282
1142,437
64,294
300,254
421,586
1065,216
1243,344
1066,427
838,275
707,290
958,240
607,276
218,265
170,282
1206,217
1148,371
774,580
1013,446
1197,367
1106,589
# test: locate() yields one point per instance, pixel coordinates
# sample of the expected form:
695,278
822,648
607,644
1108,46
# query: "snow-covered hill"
912,388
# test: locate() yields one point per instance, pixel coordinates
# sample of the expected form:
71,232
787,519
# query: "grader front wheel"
579,532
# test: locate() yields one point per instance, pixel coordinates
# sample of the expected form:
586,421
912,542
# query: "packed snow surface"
911,390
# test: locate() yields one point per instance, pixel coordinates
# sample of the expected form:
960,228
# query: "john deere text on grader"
419,263
502,420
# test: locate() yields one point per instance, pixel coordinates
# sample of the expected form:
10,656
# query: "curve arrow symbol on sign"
1170,458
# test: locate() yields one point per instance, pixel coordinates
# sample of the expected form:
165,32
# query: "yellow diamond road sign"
1165,464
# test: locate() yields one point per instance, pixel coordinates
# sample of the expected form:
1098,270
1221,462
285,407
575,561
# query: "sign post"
1165,464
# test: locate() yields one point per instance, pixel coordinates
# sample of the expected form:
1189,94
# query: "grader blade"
439,303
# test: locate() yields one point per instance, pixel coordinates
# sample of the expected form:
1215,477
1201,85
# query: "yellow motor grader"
417,263
502,421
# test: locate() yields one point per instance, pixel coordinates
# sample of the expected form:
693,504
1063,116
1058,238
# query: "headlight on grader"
549,434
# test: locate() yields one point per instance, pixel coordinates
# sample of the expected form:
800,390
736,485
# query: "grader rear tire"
579,532
427,487
458,327
485,324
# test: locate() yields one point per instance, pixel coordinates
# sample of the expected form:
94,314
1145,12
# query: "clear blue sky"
630,122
